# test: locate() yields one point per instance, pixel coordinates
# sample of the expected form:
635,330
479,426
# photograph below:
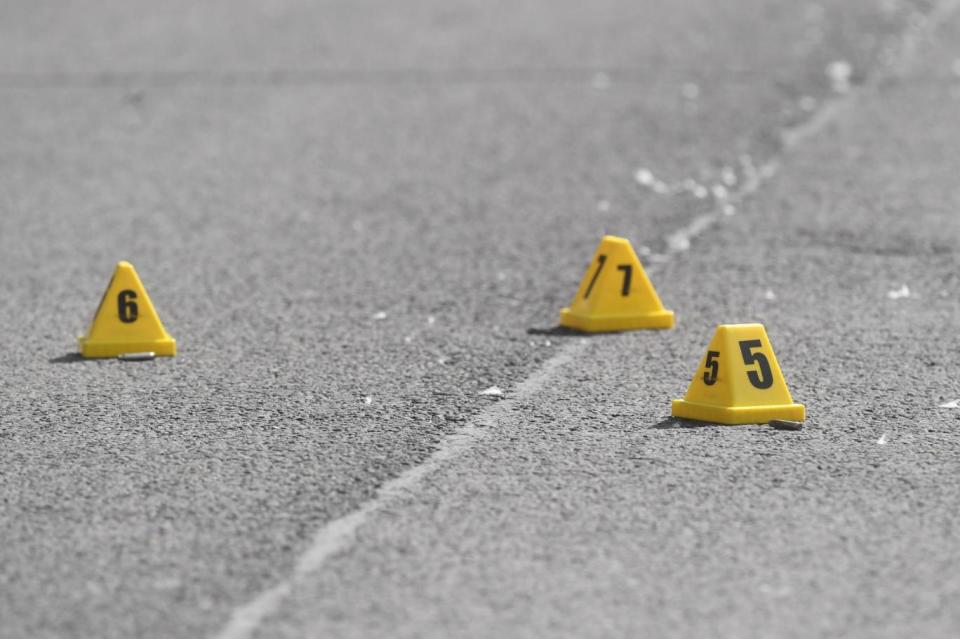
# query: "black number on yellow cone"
627,274
126,307
713,367
763,378
601,259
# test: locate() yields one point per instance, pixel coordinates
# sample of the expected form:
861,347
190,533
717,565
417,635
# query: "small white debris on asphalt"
899,293
600,81
769,295
644,177
882,440
137,357
501,276
380,315
691,91
839,72
954,404
367,400
431,320
678,242
493,391
408,339
603,206
728,176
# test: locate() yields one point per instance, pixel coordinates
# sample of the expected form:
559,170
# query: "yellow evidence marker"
126,321
615,294
739,381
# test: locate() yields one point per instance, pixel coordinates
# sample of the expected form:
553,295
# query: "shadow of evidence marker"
675,423
557,331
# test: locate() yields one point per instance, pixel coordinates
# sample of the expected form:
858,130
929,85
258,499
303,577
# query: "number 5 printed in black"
762,379
713,367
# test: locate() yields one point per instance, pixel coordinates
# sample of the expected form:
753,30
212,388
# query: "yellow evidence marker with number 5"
615,294
126,321
739,381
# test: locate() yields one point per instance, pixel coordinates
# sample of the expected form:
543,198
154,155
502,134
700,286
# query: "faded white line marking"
754,177
954,404
339,533
921,24
680,240
830,109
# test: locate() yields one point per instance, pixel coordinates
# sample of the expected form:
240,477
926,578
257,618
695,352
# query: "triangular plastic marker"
738,381
615,294
125,321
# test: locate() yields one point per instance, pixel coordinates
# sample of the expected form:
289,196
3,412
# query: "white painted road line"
337,535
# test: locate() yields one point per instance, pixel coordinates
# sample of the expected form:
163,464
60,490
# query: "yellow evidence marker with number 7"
126,321
615,294
739,381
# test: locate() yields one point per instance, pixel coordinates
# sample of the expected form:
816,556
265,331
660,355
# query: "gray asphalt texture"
355,217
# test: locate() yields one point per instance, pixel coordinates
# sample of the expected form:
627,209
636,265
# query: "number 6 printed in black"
713,367
126,307
764,379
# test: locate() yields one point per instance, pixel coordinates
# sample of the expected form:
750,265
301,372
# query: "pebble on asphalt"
137,357
784,424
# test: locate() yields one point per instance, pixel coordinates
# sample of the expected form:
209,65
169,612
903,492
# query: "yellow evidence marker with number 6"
126,321
739,381
615,294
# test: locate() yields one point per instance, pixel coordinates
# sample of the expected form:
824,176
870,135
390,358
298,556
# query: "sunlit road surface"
355,219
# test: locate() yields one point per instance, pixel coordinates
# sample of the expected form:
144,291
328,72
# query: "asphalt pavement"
354,218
